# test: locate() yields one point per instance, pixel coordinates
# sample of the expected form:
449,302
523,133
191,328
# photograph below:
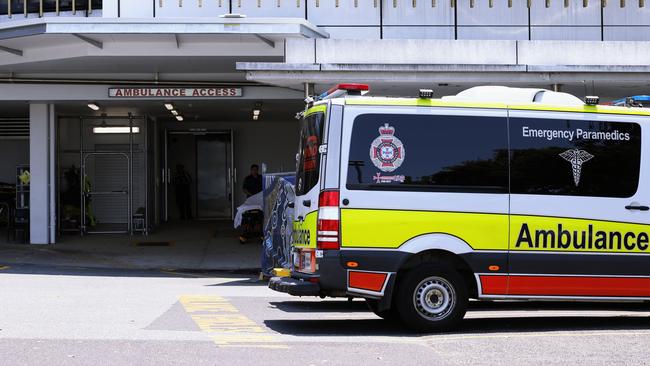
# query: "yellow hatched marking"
224,323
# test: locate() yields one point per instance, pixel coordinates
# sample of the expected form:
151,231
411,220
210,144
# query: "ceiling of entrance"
203,111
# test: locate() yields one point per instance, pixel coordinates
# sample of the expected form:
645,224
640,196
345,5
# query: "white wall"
136,8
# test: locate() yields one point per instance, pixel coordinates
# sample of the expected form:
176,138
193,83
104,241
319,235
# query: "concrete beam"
290,78
265,40
289,27
92,42
11,50
48,93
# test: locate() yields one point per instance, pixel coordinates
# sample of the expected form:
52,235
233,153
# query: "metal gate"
113,177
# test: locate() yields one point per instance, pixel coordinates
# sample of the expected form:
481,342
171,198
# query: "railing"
26,7
396,3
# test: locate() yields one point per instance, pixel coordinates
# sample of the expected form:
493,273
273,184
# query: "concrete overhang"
154,50
269,27
420,62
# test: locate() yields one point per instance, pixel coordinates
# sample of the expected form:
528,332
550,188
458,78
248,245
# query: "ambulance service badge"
387,151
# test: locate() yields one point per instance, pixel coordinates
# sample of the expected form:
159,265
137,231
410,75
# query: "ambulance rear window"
311,137
436,153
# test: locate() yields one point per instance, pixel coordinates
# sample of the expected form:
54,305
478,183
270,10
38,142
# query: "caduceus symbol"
576,157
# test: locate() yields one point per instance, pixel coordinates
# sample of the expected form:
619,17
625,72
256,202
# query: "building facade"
213,85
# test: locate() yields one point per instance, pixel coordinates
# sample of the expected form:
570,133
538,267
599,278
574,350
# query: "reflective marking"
326,232
225,325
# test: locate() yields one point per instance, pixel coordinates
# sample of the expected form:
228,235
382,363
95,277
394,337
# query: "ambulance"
418,205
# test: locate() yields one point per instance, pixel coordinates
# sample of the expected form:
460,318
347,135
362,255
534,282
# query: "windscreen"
311,137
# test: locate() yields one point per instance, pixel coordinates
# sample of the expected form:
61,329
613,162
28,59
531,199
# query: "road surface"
75,316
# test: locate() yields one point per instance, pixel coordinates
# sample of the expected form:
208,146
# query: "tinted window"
311,137
578,158
429,153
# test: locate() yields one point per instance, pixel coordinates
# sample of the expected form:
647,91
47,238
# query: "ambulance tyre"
431,297
387,314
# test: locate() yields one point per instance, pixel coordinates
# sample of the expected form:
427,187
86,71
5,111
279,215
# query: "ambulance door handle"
306,203
640,208
291,205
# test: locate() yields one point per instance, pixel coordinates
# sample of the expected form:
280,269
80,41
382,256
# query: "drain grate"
153,244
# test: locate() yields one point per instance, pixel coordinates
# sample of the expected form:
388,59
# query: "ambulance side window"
436,153
575,158
311,137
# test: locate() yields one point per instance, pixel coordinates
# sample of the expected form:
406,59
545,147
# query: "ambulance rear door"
308,187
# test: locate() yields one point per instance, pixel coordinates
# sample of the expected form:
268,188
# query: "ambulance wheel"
386,314
431,297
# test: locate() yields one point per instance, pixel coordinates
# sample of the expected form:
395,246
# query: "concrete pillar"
309,90
42,143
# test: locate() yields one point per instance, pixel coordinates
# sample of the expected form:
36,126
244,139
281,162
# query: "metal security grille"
11,128
111,174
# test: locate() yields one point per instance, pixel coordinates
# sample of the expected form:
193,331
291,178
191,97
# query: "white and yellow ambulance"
419,205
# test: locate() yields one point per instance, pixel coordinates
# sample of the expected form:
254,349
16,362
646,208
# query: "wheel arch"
439,248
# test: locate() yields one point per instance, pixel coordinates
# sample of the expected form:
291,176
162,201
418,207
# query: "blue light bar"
635,98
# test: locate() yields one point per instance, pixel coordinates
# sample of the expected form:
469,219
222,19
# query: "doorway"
198,175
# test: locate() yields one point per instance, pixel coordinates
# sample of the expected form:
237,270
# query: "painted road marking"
225,325
4,267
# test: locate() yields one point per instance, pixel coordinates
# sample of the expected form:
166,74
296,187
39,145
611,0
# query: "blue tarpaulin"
278,221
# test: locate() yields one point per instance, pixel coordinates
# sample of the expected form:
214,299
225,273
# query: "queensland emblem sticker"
387,151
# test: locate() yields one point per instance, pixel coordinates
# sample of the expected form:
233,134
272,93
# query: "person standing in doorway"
253,217
183,185
253,182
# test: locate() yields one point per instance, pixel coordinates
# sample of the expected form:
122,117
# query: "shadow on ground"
320,306
240,277
492,324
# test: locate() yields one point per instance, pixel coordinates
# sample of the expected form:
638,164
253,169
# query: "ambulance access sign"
174,92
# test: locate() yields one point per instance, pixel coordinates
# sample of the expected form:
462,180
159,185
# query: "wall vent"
14,128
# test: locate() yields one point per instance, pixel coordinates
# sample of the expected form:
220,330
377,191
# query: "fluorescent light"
93,106
115,129
169,106
179,118
232,15
174,112
255,118
256,112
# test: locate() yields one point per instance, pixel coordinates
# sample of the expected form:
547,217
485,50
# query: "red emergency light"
343,89
351,88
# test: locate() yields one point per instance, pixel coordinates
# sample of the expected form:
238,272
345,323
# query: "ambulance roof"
501,97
